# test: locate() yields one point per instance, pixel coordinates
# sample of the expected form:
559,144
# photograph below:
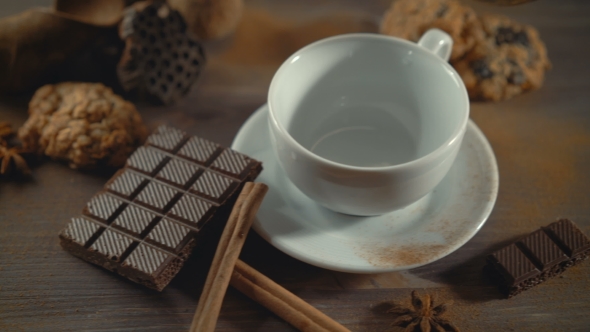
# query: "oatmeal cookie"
409,19
509,60
85,124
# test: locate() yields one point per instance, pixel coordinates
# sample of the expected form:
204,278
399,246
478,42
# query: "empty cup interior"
368,100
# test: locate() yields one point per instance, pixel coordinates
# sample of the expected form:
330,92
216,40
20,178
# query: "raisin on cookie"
409,19
508,60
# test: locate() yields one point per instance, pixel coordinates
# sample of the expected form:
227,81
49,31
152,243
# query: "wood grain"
541,141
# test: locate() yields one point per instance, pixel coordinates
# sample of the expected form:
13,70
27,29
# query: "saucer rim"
482,216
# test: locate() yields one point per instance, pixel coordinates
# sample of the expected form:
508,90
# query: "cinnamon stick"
227,253
283,303
222,245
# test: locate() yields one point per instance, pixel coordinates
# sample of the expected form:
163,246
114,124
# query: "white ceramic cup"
365,124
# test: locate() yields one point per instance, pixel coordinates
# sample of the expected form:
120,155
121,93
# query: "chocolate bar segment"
111,244
158,197
232,163
191,210
147,160
512,263
213,186
169,234
538,256
150,266
146,221
126,183
542,250
104,207
166,138
178,173
568,237
134,219
80,230
199,150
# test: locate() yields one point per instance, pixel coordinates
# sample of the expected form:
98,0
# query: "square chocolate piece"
147,160
167,138
126,183
199,150
178,173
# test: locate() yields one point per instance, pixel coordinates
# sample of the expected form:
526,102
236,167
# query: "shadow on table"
467,280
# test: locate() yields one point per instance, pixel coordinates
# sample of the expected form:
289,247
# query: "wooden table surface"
541,141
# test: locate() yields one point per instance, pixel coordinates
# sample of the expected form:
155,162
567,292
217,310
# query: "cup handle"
437,42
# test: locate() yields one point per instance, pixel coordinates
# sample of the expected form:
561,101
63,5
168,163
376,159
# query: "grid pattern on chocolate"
166,138
112,244
146,259
103,207
80,230
126,184
146,220
231,163
191,210
157,196
569,237
147,160
514,264
198,150
542,251
169,233
212,185
134,219
178,172
538,256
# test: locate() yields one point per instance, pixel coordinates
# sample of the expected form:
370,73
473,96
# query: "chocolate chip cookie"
409,19
507,60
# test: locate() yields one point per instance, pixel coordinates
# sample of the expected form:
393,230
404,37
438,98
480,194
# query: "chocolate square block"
159,197
232,163
199,150
538,256
104,207
134,219
569,237
80,230
111,244
166,138
542,250
150,266
145,223
147,160
178,173
512,263
126,184
191,210
213,186
169,234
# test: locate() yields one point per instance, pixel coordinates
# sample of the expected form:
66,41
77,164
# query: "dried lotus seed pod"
160,56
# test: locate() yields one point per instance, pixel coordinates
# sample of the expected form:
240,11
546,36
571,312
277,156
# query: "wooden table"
541,141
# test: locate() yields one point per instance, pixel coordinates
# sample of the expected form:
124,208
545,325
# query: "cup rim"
456,135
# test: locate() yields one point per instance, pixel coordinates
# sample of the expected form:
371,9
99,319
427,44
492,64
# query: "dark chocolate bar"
145,222
538,256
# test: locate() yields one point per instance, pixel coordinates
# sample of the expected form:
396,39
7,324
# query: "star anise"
12,159
424,316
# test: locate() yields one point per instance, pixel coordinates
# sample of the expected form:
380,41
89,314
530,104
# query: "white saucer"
421,233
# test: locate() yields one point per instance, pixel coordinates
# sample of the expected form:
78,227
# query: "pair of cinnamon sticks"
226,269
